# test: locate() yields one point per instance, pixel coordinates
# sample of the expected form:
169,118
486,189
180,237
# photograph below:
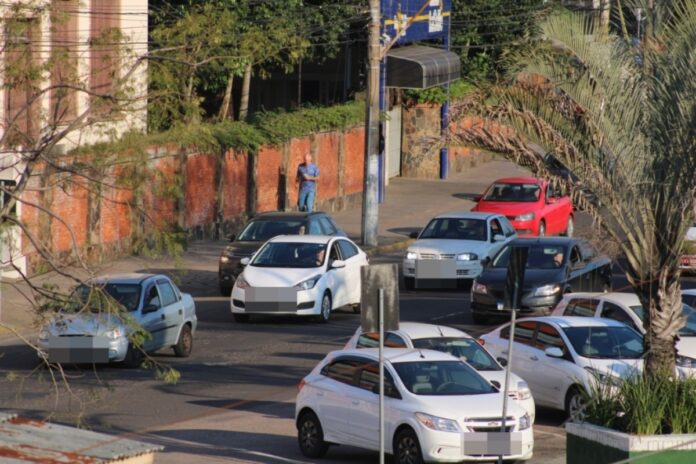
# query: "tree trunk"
246,85
225,108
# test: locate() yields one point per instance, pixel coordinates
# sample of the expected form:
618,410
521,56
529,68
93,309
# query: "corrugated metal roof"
23,440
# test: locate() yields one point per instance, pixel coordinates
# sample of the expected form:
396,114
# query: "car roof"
125,278
545,241
396,355
691,291
416,330
467,215
302,238
576,321
519,180
286,215
624,298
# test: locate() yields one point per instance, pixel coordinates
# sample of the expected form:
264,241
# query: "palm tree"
623,120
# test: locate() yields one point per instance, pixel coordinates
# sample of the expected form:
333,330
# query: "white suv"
437,408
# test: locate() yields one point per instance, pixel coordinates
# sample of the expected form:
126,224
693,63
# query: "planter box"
587,443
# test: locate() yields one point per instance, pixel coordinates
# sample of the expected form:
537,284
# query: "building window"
105,46
64,54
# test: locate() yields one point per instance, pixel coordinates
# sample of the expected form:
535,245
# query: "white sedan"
454,247
304,275
436,409
455,342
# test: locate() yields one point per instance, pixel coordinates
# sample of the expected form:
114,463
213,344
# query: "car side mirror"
413,234
498,238
231,237
551,200
337,264
496,384
477,198
244,261
554,352
502,361
150,308
486,261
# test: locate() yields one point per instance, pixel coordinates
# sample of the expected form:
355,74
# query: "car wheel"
310,436
225,290
410,283
407,450
479,318
570,227
134,357
542,228
241,318
184,345
576,405
325,309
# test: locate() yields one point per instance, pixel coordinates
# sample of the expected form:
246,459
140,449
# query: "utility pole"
370,209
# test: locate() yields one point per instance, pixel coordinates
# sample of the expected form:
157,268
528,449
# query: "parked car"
451,247
153,301
436,408
265,226
305,275
455,342
531,205
627,308
555,266
688,260
563,358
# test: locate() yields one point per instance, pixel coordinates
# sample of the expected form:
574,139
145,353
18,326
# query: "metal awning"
420,67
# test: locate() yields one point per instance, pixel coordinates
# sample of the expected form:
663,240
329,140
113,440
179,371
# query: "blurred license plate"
270,299
492,443
78,350
436,269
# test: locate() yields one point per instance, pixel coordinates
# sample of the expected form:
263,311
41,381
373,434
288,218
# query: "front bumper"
441,269
492,303
308,303
229,271
525,228
116,350
456,447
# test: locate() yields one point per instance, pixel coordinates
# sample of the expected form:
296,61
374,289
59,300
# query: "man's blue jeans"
306,200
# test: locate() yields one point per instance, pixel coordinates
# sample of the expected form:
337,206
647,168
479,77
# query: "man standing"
307,174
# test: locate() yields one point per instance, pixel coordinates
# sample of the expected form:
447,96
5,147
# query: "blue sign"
428,19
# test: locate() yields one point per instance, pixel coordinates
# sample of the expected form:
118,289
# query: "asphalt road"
235,399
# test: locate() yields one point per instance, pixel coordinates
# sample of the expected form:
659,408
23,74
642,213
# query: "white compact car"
455,342
561,357
437,409
89,330
304,275
453,247
627,308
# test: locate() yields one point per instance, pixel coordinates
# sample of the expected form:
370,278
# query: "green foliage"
457,90
238,135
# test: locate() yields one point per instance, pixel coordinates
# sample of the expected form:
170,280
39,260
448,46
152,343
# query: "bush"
438,95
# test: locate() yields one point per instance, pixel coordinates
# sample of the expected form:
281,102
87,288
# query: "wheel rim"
408,450
576,408
326,307
187,341
309,435
571,227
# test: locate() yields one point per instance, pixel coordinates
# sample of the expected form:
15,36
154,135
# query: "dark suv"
263,227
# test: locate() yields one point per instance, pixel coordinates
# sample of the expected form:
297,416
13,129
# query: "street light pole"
370,209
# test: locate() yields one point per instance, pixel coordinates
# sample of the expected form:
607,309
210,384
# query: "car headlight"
44,334
524,422
438,423
525,217
685,361
241,283
309,283
479,288
547,290
523,391
224,259
604,378
114,333
467,257
411,255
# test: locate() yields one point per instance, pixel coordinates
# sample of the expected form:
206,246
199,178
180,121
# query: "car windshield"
286,254
527,193
538,257
466,349
260,231
689,300
689,328
85,296
442,378
605,342
457,229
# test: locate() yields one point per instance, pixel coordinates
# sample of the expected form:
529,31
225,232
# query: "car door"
173,311
351,255
552,379
337,277
578,278
554,211
522,350
152,317
333,396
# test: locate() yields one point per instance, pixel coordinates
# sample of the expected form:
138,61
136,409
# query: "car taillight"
481,341
301,384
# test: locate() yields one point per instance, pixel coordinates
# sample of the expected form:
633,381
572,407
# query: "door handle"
355,402
162,316
533,358
181,311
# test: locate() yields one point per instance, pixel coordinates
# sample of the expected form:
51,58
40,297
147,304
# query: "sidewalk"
408,205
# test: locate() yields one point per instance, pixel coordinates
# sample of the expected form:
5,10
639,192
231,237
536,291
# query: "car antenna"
421,353
440,330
